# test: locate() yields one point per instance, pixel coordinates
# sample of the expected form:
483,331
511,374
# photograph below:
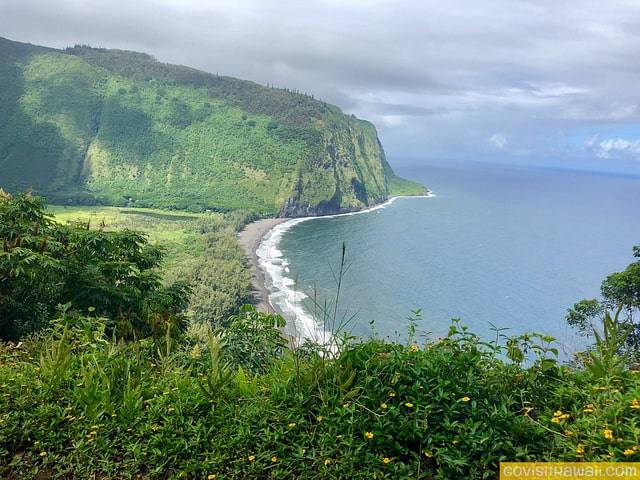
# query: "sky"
525,82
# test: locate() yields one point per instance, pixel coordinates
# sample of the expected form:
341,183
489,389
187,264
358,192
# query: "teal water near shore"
512,247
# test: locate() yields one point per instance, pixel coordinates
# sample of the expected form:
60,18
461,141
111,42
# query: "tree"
620,291
44,264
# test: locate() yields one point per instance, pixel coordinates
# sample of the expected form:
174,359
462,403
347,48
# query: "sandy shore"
250,239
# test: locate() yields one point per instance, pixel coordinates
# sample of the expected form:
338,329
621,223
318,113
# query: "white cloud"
549,89
614,148
498,140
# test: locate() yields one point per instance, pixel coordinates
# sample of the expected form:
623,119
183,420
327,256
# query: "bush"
73,404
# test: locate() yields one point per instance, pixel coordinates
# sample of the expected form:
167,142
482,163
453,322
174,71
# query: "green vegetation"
201,249
237,404
94,126
44,264
176,248
399,187
620,293
115,383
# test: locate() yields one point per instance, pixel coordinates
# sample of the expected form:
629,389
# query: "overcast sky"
530,82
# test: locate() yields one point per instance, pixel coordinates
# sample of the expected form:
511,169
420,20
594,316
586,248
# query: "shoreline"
252,235
250,238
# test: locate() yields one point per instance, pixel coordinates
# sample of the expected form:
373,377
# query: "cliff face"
89,125
346,173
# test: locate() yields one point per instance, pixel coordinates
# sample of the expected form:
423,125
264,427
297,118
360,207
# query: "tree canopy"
620,291
111,274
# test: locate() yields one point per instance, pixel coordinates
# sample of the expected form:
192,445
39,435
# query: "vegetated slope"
86,125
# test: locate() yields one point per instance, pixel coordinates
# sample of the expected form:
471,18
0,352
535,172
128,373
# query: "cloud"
439,78
498,140
614,148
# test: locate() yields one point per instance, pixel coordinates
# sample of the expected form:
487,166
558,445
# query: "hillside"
95,126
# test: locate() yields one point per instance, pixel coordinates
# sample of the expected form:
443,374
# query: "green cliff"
86,125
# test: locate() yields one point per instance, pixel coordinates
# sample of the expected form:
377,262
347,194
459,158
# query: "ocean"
496,247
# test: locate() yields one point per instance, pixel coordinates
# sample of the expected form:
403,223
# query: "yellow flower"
171,409
414,348
274,459
587,410
327,461
408,405
386,460
428,454
580,449
465,399
114,414
43,454
608,434
368,435
555,420
628,451
211,477
635,404
251,458
292,425
384,406
319,418
557,413
392,394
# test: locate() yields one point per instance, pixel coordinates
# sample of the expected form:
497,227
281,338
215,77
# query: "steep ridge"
95,126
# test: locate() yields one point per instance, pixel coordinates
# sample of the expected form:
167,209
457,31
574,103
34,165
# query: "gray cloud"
440,79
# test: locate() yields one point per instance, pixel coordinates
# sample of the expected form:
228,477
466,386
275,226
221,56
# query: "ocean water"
496,246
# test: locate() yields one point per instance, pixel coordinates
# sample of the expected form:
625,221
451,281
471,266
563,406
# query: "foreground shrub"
74,404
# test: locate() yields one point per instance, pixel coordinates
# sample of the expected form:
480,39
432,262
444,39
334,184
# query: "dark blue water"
512,247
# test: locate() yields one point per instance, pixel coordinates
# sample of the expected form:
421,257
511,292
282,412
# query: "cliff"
96,126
